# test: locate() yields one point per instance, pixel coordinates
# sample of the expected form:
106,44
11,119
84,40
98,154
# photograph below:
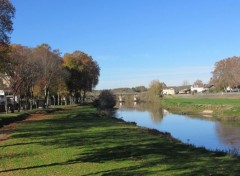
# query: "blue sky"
135,41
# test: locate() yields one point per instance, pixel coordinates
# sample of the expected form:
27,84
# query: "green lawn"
76,141
223,108
205,101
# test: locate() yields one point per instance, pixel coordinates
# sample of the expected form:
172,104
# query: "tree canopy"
42,74
7,12
84,73
226,73
156,88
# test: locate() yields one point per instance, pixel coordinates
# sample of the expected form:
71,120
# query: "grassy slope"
78,142
6,119
227,109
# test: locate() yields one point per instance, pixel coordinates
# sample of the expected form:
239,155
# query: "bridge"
121,97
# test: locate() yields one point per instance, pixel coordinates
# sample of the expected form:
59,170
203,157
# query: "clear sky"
135,41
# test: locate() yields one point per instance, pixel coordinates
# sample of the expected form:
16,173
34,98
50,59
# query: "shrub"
106,100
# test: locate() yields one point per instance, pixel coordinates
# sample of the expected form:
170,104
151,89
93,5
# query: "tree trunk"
13,106
19,103
58,98
65,100
6,104
54,100
46,97
84,96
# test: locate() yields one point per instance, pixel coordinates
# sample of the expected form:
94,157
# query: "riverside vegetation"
220,108
75,140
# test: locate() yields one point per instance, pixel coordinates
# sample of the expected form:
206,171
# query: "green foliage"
7,13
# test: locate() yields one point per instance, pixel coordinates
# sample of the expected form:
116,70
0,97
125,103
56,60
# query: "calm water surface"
194,130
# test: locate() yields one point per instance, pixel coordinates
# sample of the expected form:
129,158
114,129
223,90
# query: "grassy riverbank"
221,108
6,119
76,141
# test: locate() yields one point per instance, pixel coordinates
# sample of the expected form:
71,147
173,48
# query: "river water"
201,132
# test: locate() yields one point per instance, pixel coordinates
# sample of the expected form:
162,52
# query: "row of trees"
41,73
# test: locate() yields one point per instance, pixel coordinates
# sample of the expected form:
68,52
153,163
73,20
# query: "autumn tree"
155,90
22,72
59,89
226,73
84,73
7,12
91,72
50,64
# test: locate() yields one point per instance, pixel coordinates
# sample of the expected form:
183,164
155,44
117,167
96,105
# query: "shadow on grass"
110,140
10,119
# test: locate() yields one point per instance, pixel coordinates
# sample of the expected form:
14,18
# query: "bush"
106,100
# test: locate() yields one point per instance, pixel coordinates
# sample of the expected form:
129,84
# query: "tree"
22,72
226,73
106,100
84,73
198,83
50,64
59,88
7,12
155,89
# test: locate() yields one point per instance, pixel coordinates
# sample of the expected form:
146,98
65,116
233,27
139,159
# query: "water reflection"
156,111
229,134
195,130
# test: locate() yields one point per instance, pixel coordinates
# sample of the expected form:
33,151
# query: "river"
201,132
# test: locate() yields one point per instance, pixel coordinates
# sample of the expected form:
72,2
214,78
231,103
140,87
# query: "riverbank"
77,141
219,108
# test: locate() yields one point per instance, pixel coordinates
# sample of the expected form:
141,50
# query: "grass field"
223,108
76,141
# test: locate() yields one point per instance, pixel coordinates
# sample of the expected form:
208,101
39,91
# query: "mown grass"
225,109
7,118
79,142
205,101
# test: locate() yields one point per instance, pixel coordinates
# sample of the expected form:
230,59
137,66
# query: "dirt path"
7,130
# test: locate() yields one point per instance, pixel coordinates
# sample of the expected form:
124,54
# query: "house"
169,91
200,89
184,91
197,89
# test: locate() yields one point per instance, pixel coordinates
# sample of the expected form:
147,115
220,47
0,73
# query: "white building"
169,91
198,89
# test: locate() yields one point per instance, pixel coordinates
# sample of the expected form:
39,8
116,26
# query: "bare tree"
198,83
